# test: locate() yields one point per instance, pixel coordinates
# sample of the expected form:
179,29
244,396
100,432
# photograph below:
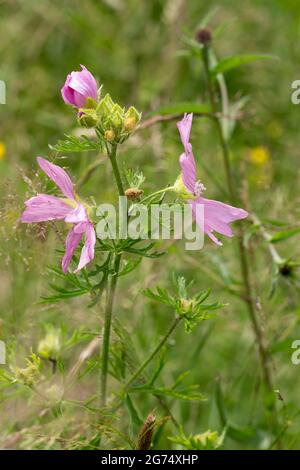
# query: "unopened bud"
109,135
105,105
87,118
129,124
204,36
132,118
49,347
185,305
133,193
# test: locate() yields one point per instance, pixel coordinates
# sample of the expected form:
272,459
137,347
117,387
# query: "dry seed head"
146,433
133,193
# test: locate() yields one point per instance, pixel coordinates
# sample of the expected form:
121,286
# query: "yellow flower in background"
2,150
259,155
260,171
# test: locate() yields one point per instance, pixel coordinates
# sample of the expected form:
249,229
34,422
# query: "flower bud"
105,105
87,118
204,36
186,305
109,135
129,124
133,193
117,118
49,347
80,87
132,118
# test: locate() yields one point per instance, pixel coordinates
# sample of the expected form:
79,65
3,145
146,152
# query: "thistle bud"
204,36
133,193
146,433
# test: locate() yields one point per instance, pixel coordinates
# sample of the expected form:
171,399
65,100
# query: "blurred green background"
135,49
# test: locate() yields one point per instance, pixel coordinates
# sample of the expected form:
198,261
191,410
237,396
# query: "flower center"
199,188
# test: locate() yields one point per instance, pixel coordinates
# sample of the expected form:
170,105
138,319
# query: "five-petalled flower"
217,215
45,207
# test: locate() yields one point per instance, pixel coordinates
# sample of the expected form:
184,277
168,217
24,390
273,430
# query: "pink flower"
44,207
217,215
78,87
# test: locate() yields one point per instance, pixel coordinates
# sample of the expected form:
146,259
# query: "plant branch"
153,354
111,289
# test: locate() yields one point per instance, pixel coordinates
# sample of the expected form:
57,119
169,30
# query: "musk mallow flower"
217,215
44,207
80,87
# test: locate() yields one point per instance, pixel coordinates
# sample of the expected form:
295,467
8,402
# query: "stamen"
199,188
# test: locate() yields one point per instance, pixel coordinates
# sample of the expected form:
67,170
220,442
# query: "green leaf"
284,235
136,421
232,62
181,108
76,144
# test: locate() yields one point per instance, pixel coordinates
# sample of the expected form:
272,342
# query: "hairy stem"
112,153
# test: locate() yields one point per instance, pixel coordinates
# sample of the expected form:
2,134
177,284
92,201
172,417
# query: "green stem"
161,191
250,300
154,352
112,153
107,329
112,156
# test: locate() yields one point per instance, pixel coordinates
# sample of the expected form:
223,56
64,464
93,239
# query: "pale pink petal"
87,253
67,92
184,127
188,171
72,241
77,215
187,160
217,217
78,87
43,207
59,176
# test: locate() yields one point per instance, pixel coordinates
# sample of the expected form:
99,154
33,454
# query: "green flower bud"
132,118
105,106
117,118
186,305
88,118
49,347
109,135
